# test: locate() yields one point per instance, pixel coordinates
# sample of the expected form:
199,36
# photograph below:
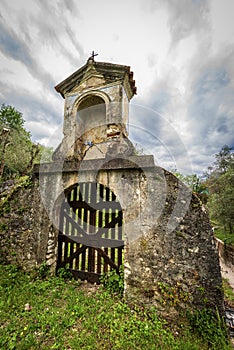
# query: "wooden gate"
90,238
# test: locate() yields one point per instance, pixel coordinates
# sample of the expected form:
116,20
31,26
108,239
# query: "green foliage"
228,293
190,180
113,281
216,189
15,142
220,181
226,237
43,270
10,117
45,154
224,159
61,315
172,295
195,183
221,201
17,152
64,273
210,327
21,182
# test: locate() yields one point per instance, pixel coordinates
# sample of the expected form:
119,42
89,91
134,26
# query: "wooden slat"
60,251
85,217
120,236
83,260
101,191
78,214
106,198
91,231
99,224
75,193
84,192
112,217
72,196
77,258
60,243
65,246
85,211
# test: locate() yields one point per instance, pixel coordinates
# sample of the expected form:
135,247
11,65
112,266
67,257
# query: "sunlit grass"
228,292
65,314
220,233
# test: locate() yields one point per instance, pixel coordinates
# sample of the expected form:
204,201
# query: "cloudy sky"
181,53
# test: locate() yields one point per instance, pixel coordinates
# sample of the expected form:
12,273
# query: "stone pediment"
89,82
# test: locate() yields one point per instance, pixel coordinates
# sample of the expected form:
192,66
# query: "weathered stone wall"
25,228
178,269
171,260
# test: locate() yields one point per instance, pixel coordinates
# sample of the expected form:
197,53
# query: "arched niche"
91,110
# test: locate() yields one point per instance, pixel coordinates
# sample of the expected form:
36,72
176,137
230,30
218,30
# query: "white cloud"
181,53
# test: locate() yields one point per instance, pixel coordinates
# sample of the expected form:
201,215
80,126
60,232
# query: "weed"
3,226
113,281
64,273
223,235
228,292
22,209
43,270
172,295
210,327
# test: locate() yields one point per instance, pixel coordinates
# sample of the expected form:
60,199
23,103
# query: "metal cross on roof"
93,54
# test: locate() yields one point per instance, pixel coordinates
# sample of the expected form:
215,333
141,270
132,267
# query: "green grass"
225,236
228,293
65,315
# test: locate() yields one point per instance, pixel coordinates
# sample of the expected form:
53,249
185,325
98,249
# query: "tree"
224,159
18,153
195,183
220,182
11,118
221,202
216,189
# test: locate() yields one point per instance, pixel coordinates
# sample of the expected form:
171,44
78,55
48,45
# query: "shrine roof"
111,72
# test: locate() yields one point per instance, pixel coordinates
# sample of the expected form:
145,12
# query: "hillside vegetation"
215,188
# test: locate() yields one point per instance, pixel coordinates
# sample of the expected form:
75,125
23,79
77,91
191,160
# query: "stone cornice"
109,71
